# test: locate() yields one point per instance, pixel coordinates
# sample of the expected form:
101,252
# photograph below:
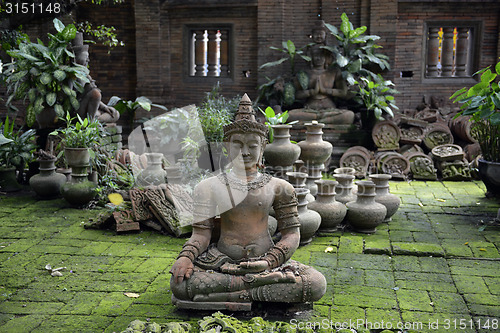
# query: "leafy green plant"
130,107
275,119
216,111
46,75
281,88
16,147
84,133
104,34
377,95
291,52
355,52
482,103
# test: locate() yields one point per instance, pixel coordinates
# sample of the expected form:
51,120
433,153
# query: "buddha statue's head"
245,137
319,33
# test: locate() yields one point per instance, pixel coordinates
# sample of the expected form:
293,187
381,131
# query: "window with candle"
451,49
209,51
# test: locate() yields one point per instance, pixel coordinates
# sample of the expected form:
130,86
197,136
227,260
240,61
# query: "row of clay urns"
281,154
365,214
390,201
309,219
331,211
373,198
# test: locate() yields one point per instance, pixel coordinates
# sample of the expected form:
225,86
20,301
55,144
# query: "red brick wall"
151,62
114,71
178,88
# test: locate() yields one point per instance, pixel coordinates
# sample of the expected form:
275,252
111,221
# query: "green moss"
418,249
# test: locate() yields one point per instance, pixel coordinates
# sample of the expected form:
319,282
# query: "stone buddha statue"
325,84
90,100
244,265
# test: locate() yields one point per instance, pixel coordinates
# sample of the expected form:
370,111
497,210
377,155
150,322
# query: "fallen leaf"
48,267
441,200
115,198
131,295
420,204
466,243
481,249
329,249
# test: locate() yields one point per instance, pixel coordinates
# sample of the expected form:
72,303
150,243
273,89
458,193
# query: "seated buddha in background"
325,85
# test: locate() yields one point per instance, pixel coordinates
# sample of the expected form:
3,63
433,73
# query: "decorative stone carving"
455,170
393,164
386,135
411,135
125,221
358,158
439,134
422,166
448,152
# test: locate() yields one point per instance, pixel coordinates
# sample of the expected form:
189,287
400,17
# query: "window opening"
209,53
449,51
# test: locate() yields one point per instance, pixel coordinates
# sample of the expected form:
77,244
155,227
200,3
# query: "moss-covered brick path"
436,264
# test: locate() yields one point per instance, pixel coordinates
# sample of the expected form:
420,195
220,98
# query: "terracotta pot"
281,153
331,211
154,174
309,219
298,180
344,188
314,150
80,191
344,170
489,172
390,201
8,181
47,184
365,214
77,157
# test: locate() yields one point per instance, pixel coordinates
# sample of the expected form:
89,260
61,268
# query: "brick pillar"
148,52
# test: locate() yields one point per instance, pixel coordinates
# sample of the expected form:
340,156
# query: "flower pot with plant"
482,103
77,140
16,149
280,154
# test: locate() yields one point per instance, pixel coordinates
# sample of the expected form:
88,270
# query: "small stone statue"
90,100
325,84
243,265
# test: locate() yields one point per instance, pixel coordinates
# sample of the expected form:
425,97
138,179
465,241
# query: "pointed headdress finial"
244,121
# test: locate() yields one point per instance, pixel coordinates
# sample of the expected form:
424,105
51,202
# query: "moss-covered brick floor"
434,268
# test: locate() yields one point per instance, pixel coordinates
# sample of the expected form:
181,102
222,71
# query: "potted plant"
46,76
377,97
481,103
77,140
214,113
16,149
